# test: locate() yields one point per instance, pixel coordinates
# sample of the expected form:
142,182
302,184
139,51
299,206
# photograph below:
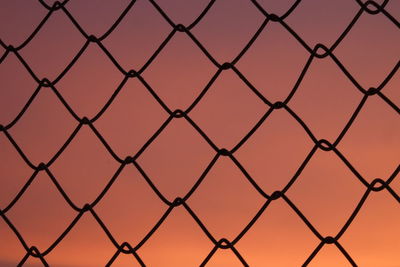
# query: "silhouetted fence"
317,52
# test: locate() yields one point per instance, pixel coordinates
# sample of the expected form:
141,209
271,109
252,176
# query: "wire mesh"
319,51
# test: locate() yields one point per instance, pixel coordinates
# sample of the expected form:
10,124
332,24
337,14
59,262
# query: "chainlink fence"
319,51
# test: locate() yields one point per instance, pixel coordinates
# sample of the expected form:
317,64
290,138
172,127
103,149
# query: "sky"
326,191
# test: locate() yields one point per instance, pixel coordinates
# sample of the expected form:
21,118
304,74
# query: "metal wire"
319,51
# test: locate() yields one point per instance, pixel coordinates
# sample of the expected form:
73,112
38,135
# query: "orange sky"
326,191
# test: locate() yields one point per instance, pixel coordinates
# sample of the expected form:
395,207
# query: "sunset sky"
326,192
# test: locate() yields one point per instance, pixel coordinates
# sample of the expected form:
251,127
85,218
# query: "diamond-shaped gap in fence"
228,111
326,192
17,87
372,143
372,238
278,229
20,14
227,28
94,247
176,159
85,167
179,241
96,23
317,22
272,68
11,249
325,107
182,11
328,254
131,119
90,83
369,59
274,153
138,35
40,221
14,172
52,49
225,210
130,208
180,72
44,127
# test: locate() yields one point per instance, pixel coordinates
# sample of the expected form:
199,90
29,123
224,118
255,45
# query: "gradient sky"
326,192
